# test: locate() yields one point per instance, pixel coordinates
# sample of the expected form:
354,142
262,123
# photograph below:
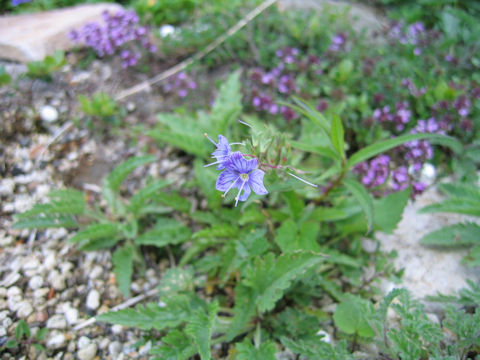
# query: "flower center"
244,177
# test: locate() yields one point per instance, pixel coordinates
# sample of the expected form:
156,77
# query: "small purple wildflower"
242,174
338,42
18,2
181,83
288,113
222,153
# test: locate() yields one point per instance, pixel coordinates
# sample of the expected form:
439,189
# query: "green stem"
258,336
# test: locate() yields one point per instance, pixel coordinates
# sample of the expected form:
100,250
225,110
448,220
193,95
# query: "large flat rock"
428,271
30,37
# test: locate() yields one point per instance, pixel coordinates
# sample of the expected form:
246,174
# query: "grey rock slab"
31,37
427,270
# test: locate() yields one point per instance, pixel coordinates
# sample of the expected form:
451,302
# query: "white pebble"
13,291
24,309
83,341
93,299
56,280
114,349
166,30
96,272
56,340
49,114
6,186
57,322
35,282
71,315
88,352
117,329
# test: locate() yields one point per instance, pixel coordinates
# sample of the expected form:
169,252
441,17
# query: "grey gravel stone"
56,340
35,282
71,314
88,352
114,349
57,322
24,309
93,299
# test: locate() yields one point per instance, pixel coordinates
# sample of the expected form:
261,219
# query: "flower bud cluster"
117,31
180,84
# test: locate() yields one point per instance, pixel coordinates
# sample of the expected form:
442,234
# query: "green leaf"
270,277
178,309
453,236
246,351
174,346
337,135
473,257
123,268
311,113
21,330
174,200
217,231
40,335
45,222
351,317
206,177
39,347
166,231
382,146
95,232
315,149
455,205
10,344
327,214
200,328
363,198
388,210
291,238
228,104
118,175
243,311
175,280
138,201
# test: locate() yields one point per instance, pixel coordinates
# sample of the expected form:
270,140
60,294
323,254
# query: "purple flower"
18,2
222,153
243,175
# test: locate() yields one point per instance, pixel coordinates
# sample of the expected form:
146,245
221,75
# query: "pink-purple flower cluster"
338,42
238,172
181,84
116,32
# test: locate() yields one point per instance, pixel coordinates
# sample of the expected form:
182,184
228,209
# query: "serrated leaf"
473,257
243,311
175,280
174,346
119,173
174,200
228,103
200,329
335,257
45,222
463,191
123,268
95,232
178,310
246,351
337,135
313,349
166,231
388,210
351,317
140,199
363,198
453,236
270,277
459,206
291,238
12,343
382,146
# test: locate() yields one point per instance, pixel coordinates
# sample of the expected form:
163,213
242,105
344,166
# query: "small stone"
13,291
57,322
3,315
96,272
35,282
3,292
370,246
117,329
83,341
93,300
7,186
114,349
56,340
56,280
24,309
71,315
88,352
7,322
3,332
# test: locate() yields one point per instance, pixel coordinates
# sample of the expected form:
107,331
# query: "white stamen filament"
239,192
214,163
244,123
305,181
241,143
231,185
208,137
